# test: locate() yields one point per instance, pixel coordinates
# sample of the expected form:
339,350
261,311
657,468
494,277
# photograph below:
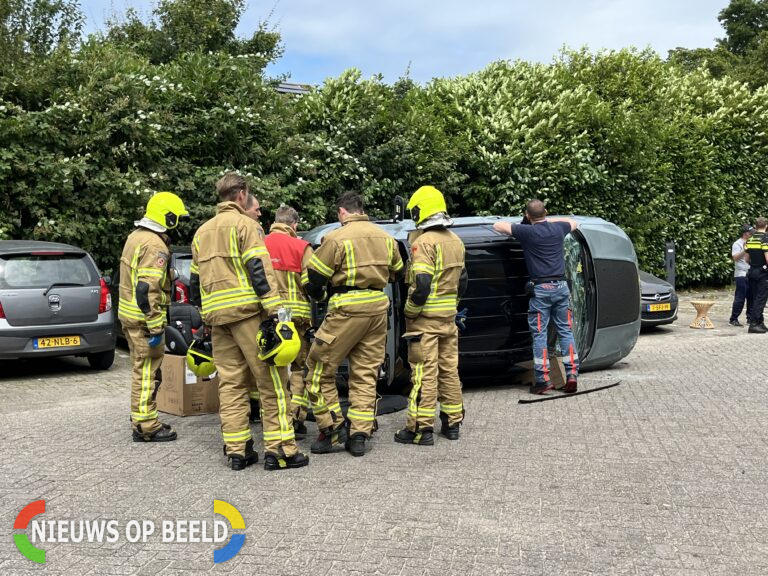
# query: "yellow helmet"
166,209
200,358
279,343
425,202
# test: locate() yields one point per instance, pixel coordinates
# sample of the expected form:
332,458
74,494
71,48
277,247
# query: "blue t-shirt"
543,247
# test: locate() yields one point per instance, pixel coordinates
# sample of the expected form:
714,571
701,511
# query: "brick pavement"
664,474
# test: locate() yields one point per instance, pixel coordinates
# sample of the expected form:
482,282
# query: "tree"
744,22
37,28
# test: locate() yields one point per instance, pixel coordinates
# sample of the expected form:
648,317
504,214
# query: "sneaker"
299,429
736,323
571,385
328,440
356,444
542,388
274,461
242,461
757,329
423,438
165,433
255,415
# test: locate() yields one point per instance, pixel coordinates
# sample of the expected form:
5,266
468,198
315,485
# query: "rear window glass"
183,265
40,271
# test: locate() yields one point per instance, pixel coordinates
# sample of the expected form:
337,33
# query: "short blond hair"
230,185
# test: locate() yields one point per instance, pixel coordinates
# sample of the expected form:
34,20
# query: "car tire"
102,360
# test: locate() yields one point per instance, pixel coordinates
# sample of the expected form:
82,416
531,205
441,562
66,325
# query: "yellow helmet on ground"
425,202
279,343
200,358
166,209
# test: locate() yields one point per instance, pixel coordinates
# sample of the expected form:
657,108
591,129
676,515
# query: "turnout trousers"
361,339
236,357
433,353
145,378
298,388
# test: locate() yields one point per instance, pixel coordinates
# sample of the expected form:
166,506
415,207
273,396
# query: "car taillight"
105,300
181,292
2,312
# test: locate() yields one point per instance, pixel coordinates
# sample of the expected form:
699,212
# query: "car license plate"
56,342
659,307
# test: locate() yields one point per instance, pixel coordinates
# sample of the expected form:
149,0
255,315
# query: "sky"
431,38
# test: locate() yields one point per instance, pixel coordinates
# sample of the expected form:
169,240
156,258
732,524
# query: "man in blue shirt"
542,243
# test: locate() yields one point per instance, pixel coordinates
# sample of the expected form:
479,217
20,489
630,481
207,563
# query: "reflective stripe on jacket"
439,253
145,258
290,256
221,251
359,257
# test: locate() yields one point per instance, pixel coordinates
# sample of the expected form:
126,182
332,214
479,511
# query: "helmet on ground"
425,202
279,343
166,209
200,358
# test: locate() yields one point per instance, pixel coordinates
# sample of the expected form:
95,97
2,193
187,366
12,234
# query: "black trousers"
758,286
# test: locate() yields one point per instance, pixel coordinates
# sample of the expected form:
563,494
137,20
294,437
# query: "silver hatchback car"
54,302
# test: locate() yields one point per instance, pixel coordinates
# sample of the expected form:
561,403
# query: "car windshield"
40,271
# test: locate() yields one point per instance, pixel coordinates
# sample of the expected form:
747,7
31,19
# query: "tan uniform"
290,257
145,258
253,389
431,331
359,259
222,249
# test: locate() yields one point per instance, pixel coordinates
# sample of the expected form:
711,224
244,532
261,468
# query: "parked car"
601,266
658,301
54,302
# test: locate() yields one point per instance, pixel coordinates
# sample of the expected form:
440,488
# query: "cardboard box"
184,394
556,373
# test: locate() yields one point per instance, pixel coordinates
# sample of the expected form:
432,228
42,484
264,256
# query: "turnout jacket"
358,259
145,285
290,256
231,273
436,274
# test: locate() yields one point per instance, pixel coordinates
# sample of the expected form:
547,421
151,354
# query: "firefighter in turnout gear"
290,256
358,259
233,281
757,248
253,211
145,293
437,279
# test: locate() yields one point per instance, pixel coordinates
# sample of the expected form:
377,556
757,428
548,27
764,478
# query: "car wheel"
102,360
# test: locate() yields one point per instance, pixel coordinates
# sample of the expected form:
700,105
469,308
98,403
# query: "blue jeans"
551,300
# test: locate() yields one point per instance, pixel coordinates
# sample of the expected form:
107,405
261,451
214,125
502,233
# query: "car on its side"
54,302
658,301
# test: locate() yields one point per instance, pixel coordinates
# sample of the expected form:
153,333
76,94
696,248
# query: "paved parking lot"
664,474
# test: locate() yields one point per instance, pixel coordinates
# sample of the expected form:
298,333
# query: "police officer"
756,247
290,256
232,278
543,250
358,259
437,279
145,293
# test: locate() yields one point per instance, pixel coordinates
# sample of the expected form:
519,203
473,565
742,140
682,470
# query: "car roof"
23,246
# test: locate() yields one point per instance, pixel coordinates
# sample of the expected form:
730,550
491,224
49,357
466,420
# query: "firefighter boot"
255,411
329,439
239,462
449,431
274,461
423,438
165,433
356,444
299,429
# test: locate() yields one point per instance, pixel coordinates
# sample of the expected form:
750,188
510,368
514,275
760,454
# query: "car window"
183,265
40,271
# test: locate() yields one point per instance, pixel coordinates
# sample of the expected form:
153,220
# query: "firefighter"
145,293
233,281
290,256
437,279
358,259
253,211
